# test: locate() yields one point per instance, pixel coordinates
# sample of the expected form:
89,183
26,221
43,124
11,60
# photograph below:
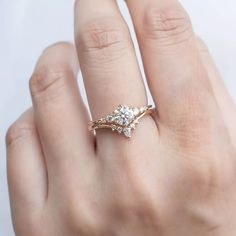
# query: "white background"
27,27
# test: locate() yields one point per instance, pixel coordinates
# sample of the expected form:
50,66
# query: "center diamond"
124,115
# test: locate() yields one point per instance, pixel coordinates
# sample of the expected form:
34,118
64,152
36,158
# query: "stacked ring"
122,120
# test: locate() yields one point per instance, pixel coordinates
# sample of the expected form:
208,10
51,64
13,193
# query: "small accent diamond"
119,129
113,127
127,132
109,118
136,111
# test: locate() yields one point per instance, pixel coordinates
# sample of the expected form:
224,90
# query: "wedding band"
122,120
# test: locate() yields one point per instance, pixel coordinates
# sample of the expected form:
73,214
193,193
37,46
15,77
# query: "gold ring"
122,120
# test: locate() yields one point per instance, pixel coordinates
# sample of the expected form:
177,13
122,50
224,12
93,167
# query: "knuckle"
105,34
18,131
167,27
47,83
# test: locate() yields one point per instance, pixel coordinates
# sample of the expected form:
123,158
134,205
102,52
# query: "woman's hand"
174,177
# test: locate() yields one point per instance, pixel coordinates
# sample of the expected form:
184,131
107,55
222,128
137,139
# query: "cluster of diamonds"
123,119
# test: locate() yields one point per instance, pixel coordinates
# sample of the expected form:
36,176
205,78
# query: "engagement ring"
123,119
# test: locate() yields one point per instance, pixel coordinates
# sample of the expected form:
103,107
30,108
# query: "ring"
122,120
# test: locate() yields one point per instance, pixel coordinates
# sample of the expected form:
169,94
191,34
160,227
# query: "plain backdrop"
27,27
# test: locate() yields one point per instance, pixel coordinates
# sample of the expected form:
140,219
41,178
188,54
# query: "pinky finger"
27,178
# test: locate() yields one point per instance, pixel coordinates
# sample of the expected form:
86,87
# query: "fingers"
60,114
27,176
108,62
177,78
222,96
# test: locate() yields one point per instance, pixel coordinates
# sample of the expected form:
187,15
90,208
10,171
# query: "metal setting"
123,119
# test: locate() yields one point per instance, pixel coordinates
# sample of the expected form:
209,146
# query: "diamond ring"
122,120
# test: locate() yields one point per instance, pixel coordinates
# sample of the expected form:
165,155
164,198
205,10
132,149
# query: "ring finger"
108,64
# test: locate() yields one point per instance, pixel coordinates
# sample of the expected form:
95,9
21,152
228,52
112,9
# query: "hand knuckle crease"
103,34
168,26
47,80
18,131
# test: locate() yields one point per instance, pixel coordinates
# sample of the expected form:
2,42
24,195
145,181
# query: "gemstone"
113,127
135,111
124,115
119,129
127,132
109,118
119,120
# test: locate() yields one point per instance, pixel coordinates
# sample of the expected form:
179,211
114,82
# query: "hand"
174,177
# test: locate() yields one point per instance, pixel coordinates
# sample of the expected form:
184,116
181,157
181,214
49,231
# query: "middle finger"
177,78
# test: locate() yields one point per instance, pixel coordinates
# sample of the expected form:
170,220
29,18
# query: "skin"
175,176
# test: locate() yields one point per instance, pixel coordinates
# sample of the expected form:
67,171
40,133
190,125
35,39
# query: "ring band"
122,120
